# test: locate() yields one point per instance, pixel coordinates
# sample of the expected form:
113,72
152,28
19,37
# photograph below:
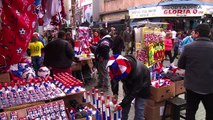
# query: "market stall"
150,50
84,63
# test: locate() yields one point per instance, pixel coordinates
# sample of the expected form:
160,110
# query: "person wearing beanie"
135,77
197,60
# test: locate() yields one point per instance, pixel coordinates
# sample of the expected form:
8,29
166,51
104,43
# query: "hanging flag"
18,23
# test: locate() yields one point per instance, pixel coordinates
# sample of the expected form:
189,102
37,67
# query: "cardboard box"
154,110
162,93
152,103
88,105
179,87
4,77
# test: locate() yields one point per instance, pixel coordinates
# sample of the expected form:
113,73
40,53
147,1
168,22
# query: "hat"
119,67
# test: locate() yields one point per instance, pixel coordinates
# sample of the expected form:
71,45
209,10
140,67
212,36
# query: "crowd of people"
39,45
195,57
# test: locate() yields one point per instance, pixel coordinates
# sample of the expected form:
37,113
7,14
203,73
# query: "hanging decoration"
152,40
17,25
84,41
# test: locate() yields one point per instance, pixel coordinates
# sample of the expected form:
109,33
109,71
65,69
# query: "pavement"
200,115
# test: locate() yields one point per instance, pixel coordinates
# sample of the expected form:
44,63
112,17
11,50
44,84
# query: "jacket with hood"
136,84
103,48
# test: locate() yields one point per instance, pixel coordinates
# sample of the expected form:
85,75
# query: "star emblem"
19,50
17,12
33,24
22,31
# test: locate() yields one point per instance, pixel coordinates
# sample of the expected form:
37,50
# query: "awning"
172,9
178,2
174,2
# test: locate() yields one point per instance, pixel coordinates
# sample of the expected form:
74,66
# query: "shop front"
115,19
179,16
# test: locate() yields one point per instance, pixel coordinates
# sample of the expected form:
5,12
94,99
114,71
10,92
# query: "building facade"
117,11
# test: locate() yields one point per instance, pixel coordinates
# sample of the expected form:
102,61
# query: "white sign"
182,11
143,12
169,11
85,2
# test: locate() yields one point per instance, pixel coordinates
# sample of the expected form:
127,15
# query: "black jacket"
103,48
118,45
197,60
58,54
137,83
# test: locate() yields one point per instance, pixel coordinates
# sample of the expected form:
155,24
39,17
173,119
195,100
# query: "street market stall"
150,50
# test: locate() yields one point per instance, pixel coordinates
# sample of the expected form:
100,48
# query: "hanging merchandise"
53,9
18,23
149,44
84,41
151,37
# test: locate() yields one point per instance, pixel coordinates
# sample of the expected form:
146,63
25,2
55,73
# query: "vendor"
135,77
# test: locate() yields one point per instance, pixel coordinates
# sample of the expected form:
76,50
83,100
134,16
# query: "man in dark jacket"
102,56
135,77
59,54
127,36
197,60
118,44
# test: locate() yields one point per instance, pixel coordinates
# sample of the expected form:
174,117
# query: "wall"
113,5
98,6
211,1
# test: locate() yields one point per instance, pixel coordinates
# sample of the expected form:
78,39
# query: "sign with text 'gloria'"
169,11
182,11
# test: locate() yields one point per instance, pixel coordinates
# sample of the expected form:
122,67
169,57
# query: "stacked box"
179,87
162,93
154,110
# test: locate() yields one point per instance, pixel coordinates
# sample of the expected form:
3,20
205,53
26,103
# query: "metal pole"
73,7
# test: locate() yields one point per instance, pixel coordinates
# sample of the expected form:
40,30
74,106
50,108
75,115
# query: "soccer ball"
28,74
43,72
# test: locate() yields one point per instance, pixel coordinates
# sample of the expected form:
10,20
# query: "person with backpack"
102,56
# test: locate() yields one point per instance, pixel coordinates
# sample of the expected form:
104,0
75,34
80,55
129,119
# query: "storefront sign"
169,11
143,12
183,10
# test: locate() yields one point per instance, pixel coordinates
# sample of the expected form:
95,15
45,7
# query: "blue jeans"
37,62
139,110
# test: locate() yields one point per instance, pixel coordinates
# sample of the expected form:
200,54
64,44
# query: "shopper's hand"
115,108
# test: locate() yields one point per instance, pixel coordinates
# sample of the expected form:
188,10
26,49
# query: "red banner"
18,23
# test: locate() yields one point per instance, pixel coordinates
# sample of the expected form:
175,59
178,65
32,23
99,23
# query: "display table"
83,68
22,110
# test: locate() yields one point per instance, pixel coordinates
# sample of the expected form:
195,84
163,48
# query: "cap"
119,67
